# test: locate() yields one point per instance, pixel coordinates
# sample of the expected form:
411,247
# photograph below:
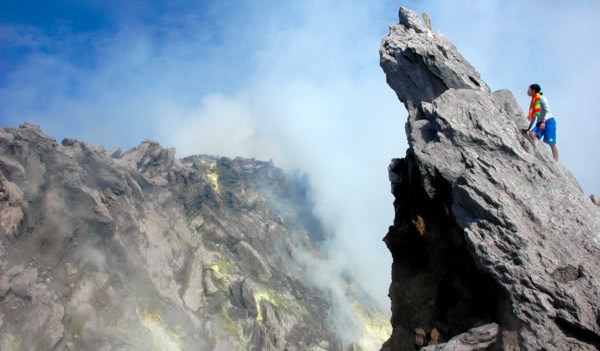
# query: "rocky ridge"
494,244
103,250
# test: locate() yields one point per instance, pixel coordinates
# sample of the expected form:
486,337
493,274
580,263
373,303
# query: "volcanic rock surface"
101,250
494,245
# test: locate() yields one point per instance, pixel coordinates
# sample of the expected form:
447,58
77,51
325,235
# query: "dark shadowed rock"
243,296
488,228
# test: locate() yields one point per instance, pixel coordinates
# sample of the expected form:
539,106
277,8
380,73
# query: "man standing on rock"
546,124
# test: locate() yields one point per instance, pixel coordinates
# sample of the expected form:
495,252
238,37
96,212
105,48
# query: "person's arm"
543,112
531,123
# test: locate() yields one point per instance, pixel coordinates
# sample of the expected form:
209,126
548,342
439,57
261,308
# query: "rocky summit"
494,245
103,250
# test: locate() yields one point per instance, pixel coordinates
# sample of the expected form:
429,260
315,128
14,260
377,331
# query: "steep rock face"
142,251
494,245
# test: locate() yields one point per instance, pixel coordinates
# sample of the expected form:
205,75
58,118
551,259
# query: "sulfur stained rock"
434,337
138,250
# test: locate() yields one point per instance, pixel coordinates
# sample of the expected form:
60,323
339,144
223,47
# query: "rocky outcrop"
595,199
488,229
103,250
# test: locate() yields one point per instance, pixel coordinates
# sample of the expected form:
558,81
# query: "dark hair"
535,87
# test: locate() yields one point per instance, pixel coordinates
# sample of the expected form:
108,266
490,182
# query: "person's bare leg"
554,152
533,136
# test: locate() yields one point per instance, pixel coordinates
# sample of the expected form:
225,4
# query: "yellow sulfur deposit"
213,175
377,329
162,338
275,299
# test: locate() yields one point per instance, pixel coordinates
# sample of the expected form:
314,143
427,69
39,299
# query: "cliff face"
494,244
142,251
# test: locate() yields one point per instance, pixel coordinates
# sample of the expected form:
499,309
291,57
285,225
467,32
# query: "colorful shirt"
539,108
535,107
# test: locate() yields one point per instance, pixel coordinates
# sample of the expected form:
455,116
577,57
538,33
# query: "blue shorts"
549,132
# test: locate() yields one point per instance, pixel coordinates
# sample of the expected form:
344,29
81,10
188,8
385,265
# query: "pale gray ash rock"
104,250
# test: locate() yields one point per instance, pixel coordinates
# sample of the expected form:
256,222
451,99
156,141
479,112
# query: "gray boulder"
248,255
243,297
488,228
479,338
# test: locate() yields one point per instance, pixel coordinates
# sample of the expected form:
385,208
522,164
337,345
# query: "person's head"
533,89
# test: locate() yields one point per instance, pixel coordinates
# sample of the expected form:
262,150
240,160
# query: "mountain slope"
142,251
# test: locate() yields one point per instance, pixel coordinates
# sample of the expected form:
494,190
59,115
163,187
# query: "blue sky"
294,81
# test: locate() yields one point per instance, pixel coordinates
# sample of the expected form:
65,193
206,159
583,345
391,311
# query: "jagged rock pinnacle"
489,230
422,68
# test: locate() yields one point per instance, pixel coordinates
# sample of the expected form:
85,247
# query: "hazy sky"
294,81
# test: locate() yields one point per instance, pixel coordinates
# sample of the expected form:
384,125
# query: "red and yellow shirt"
535,108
